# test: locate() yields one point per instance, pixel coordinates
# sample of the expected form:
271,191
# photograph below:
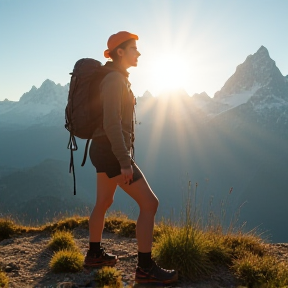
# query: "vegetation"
197,250
62,240
184,249
257,271
7,228
108,276
194,249
3,280
67,261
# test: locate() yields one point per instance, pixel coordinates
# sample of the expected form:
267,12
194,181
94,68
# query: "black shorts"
104,160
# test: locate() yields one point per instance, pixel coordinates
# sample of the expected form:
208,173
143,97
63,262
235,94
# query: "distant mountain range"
236,139
42,106
43,192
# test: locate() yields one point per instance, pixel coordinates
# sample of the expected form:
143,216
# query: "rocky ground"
26,261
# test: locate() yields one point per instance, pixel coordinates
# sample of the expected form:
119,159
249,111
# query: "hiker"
112,155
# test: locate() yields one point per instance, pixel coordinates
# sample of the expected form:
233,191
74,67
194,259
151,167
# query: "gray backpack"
83,111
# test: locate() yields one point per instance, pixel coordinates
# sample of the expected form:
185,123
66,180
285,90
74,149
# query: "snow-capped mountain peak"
48,94
256,72
35,106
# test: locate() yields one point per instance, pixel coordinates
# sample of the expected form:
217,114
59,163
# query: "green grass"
196,253
109,277
3,280
184,249
256,271
62,240
67,261
197,250
240,243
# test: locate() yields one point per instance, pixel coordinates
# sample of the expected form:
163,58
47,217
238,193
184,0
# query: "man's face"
130,55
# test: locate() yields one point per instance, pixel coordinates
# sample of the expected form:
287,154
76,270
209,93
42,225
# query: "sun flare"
170,72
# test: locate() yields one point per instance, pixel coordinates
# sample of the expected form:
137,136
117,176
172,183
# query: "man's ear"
120,52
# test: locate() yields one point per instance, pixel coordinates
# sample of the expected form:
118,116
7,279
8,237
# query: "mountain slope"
40,193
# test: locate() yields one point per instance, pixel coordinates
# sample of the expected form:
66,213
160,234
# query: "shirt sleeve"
111,94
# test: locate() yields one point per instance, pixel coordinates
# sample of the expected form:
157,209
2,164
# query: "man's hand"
127,174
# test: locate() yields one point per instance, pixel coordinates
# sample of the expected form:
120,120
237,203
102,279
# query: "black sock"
144,260
95,247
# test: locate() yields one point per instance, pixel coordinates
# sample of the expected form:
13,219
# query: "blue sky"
201,41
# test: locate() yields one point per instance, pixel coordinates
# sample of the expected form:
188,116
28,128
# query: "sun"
169,72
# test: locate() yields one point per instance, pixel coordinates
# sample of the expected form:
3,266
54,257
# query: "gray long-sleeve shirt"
118,108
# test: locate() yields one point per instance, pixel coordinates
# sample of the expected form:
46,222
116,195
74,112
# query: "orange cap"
116,39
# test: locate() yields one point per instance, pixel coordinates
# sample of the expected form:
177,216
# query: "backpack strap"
85,152
72,145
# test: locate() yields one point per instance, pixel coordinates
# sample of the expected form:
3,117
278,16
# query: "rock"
6,242
11,267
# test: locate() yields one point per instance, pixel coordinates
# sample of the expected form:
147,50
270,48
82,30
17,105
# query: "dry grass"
192,250
108,277
67,261
261,271
62,240
4,281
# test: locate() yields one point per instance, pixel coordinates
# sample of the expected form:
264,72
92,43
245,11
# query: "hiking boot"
156,275
93,259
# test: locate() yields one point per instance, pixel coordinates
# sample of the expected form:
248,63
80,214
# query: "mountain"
258,93
256,77
256,82
42,106
236,139
39,193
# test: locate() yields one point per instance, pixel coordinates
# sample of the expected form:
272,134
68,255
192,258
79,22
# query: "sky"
195,45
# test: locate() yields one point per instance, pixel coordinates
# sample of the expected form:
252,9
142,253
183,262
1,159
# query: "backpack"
83,112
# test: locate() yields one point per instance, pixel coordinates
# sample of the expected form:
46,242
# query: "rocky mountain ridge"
256,82
42,106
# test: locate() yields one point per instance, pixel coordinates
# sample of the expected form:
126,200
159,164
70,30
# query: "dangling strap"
85,152
73,170
72,145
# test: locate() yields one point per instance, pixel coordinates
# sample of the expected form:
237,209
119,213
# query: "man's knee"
155,205
150,206
104,203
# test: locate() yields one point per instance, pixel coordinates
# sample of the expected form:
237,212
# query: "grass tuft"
67,224
256,271
113,221
7,229
185,249
109,277
128,229
218,253
240,244
3,280
62,240
120,224
67,261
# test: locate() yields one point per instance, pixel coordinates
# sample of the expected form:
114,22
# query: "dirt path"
26,262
